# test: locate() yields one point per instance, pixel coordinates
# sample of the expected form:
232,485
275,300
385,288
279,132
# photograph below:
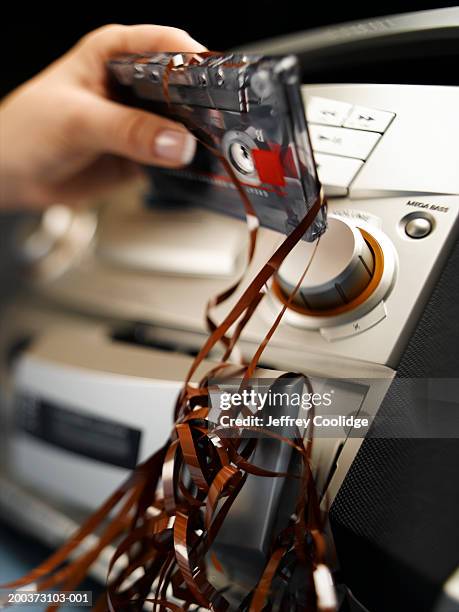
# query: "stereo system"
95,348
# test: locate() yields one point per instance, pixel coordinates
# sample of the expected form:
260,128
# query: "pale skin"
63,140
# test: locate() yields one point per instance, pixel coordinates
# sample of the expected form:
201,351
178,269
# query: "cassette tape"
245,110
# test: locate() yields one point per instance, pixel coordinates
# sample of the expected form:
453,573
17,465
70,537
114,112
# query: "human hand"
63,139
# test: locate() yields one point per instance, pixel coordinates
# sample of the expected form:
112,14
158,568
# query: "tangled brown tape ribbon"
165,517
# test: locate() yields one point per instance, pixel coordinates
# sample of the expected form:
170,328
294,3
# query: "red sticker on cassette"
269,167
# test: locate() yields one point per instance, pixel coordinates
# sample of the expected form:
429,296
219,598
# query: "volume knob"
341,267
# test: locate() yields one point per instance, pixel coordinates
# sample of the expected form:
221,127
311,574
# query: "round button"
419,227
38,238
340,269
49,245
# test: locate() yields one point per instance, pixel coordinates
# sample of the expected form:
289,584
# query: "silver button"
341,141
418,227
336,173
323,110
362,118
39,239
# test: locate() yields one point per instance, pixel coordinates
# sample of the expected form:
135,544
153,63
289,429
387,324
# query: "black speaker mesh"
396,516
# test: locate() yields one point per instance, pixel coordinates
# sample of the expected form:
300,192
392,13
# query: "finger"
103,175
138,135
111,40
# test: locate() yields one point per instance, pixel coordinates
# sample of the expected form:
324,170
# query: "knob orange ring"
378,257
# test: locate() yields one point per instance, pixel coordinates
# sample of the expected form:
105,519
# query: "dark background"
33,36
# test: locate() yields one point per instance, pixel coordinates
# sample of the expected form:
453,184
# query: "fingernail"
199,48
174,146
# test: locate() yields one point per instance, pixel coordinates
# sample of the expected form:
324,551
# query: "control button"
362,118
39,239
419,227
50,246
341,141
336,173
355,327
330,112
342,266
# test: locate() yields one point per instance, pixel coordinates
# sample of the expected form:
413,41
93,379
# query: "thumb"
137,135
